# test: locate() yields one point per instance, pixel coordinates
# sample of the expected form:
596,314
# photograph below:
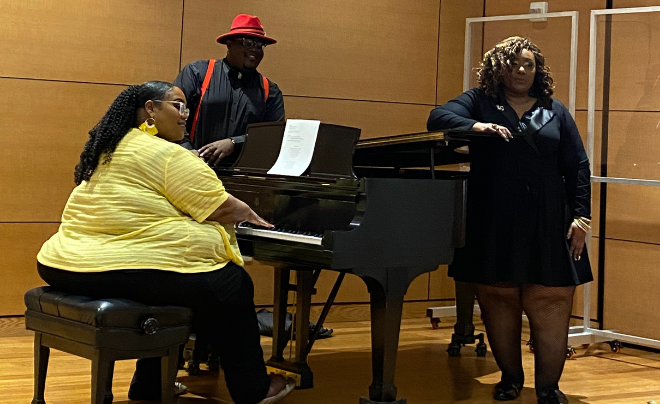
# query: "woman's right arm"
234,210
194,188
460,114
455,114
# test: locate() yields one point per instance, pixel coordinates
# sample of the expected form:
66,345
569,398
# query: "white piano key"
277,235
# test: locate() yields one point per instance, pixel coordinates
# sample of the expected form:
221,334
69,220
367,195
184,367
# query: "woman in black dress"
528,214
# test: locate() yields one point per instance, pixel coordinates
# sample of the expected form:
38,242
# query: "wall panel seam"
183,15
63,81
631,241
29,222
358,100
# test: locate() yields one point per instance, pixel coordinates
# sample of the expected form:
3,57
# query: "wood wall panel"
376,119
119,41
43,127
552,37
264,280
634,145
354,290
633,213
450,48
634,69
19,245
441,286
634,3
354,49
631,288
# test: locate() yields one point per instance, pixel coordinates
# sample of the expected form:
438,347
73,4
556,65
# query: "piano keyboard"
280,234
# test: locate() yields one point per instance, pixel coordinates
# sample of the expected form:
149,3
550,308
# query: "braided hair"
498,60
115,124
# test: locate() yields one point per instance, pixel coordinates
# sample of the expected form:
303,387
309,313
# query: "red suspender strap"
266,88
205,85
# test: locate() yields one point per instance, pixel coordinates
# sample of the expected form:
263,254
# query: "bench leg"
41,355
108,384
102,370
169,365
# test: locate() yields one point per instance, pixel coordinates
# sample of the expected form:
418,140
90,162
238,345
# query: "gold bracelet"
583,223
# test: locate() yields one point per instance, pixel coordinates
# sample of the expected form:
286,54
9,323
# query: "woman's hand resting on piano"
499,130
234,211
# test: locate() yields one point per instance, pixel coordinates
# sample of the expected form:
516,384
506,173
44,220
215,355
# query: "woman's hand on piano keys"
257,220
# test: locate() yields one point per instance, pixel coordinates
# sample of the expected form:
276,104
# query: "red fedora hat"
246,25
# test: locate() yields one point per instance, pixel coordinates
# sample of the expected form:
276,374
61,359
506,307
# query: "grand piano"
360,208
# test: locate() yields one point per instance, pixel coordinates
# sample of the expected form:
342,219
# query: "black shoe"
551,397
505,391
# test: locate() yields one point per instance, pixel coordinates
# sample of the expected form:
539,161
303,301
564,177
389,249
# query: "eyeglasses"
183,111
528,65
250,43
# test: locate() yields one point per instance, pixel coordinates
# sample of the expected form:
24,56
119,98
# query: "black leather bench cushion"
114,313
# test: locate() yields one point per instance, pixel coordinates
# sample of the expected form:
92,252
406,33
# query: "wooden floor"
341,366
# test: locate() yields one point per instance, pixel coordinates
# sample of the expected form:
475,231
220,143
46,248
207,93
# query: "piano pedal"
285,373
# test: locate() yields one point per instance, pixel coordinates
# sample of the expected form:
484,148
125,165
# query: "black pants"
223,305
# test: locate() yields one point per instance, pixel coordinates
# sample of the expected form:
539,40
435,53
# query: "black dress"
522,194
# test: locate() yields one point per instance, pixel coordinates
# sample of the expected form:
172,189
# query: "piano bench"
104,331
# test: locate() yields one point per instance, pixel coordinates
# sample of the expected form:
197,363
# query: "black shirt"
232,100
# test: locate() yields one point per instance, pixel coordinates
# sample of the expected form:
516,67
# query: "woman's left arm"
574,166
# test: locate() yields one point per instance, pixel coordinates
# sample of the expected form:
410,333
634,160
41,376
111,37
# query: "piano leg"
280,297
304,290
385,328
305,286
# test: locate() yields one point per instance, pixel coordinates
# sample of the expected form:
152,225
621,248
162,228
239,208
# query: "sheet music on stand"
297,147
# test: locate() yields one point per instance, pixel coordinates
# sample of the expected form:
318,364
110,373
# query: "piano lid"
332,158
409,150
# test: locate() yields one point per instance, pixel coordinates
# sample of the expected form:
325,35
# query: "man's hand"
214,152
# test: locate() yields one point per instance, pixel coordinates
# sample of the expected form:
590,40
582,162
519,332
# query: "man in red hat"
224,96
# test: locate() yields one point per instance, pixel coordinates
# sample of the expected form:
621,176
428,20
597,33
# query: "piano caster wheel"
570,352
454,350
435,323
616,346
193,368
481,350
530,344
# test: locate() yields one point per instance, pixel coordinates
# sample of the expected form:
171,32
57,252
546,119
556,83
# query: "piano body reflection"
353,211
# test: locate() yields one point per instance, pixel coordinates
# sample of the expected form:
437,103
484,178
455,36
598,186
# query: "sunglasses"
250,43
183,111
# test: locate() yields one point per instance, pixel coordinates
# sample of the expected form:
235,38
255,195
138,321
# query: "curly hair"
115,124
498,60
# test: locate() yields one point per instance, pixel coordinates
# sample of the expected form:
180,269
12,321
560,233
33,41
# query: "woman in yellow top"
149,221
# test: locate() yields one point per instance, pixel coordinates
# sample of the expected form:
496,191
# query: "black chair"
104,331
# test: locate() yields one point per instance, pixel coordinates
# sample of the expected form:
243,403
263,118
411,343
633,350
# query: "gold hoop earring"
149,127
